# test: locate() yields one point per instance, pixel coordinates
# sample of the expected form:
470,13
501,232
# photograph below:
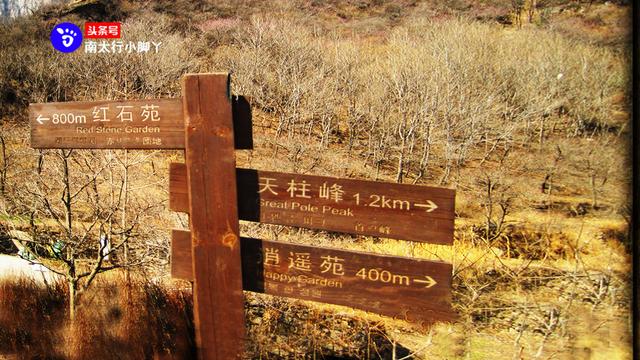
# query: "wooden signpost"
215,235
209,126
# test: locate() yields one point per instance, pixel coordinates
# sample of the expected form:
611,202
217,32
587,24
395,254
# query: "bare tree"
496,202
516,8
14,8
5,156
79,193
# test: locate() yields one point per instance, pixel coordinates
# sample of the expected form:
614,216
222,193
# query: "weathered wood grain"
390,210
410,289
215,239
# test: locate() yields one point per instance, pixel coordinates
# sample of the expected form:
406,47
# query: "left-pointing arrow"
40,119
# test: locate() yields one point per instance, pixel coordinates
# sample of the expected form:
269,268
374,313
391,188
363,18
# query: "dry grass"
116,320
25,311
143,319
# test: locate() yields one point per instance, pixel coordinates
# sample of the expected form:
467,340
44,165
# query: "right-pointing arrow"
428,281
430,206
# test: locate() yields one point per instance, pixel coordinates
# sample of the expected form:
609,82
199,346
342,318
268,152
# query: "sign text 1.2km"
399,211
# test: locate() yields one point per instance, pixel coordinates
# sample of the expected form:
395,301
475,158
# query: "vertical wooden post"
215,240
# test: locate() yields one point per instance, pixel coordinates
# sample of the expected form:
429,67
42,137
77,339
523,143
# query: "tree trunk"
5,9
531,11
400,172
489,212
73,292
67,194
402,132
5,166
594,194
125,190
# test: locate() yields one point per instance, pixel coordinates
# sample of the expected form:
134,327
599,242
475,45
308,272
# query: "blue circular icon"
66,37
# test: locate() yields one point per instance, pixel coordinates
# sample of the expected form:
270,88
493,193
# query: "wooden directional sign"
132,124
410,289
399,211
